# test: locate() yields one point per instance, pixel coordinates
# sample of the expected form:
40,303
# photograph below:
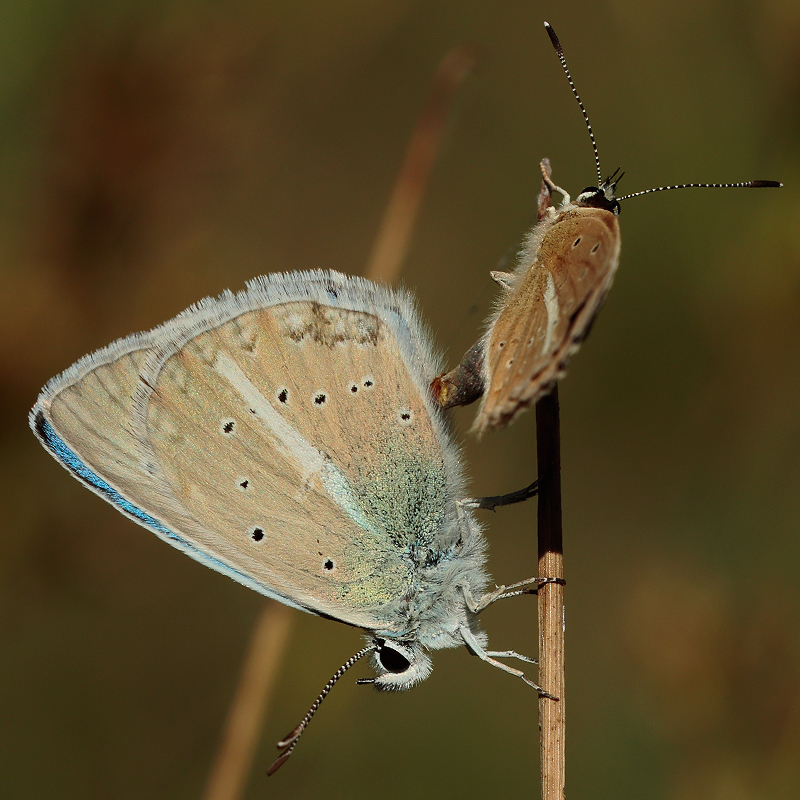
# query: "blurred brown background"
155,153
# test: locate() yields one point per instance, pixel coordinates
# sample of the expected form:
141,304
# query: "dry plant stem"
245,717
394,235
551,599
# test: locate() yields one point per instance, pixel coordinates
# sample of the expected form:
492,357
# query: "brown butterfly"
565,269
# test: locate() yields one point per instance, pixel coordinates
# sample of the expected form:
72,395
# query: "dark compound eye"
392,661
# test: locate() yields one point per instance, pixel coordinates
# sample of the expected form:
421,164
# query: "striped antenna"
744,185
289,742
560,53
600,182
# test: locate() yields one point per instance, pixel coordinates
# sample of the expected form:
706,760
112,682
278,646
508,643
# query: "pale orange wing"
549,313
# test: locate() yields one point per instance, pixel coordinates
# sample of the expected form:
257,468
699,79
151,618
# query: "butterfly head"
602,196
400,665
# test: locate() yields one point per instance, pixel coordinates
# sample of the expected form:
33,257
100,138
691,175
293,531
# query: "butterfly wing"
283,436
548,314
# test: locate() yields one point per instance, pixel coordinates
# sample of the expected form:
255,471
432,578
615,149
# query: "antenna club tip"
278,763
553,38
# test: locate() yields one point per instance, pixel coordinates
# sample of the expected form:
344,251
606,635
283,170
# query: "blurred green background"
155,153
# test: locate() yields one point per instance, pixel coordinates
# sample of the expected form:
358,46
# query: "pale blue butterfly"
285,436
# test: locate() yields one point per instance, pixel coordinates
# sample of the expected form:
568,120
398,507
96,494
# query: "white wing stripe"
292,443
551,305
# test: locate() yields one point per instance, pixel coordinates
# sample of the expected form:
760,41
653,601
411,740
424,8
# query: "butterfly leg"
474,647
510,654
503,278
491,503
544,165
543,202
503,592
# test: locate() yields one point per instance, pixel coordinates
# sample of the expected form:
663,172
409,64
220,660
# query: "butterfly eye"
393,661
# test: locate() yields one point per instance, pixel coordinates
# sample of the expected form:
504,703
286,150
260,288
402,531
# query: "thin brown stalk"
248,709
394,234
247,712
551,599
